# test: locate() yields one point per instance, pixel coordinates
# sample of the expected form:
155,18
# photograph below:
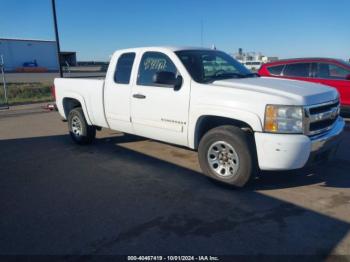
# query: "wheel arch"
73,101
206,122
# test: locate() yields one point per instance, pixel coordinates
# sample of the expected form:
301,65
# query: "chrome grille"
321,118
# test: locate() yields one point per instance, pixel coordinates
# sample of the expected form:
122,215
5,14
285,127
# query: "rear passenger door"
117,94
298,71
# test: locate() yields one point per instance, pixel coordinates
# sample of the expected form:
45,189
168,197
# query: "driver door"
159,112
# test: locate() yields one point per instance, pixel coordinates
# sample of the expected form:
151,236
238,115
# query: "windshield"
210,65
345,62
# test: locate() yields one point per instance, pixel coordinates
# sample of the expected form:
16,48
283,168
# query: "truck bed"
87,90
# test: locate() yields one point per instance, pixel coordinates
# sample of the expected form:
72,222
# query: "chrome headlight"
284,119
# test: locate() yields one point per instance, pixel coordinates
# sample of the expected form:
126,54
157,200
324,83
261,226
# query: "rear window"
297,70
331,71
275,70
124,67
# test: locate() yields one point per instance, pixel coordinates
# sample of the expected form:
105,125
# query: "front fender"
251,119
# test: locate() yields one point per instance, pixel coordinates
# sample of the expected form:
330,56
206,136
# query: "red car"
327,71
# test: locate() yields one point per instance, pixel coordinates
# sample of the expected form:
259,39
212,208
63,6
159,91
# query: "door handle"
139,96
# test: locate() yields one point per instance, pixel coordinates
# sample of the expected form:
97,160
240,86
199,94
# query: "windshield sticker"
155,64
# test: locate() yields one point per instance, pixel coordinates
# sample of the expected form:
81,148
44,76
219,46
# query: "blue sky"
285,28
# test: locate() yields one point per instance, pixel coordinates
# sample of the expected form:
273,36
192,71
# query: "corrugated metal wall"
17,52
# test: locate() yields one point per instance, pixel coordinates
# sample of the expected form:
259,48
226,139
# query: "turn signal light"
271,119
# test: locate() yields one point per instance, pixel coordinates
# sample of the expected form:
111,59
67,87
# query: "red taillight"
53,92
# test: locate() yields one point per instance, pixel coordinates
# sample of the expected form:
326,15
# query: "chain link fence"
3,87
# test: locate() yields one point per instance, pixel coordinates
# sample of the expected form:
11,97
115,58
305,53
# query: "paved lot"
126,195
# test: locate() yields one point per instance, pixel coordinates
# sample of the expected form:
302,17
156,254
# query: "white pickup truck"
205,100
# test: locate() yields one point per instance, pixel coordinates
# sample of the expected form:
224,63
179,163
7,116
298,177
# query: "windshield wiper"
252,75
228,75
224,76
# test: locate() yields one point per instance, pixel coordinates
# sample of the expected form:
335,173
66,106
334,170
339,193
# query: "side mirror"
347,77
167,79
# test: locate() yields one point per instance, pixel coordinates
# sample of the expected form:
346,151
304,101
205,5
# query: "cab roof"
163,48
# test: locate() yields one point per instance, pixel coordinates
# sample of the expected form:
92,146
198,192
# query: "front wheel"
79,130
225,154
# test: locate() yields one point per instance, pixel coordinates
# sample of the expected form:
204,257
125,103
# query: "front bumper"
287,151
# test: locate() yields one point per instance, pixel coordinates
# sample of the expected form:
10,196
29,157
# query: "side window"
275,70
331,71
123,68
152,63
297,70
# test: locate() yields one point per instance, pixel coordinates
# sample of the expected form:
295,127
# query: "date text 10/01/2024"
173,258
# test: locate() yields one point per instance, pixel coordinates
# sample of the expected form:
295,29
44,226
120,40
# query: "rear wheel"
79,130
226,154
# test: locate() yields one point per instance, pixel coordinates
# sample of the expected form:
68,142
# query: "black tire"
86,134
244,151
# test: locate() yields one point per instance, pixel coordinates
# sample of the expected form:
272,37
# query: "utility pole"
57,37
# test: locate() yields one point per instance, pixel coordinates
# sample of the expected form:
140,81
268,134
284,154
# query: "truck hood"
300,92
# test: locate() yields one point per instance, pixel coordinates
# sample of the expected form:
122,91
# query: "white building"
20,52
252,60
